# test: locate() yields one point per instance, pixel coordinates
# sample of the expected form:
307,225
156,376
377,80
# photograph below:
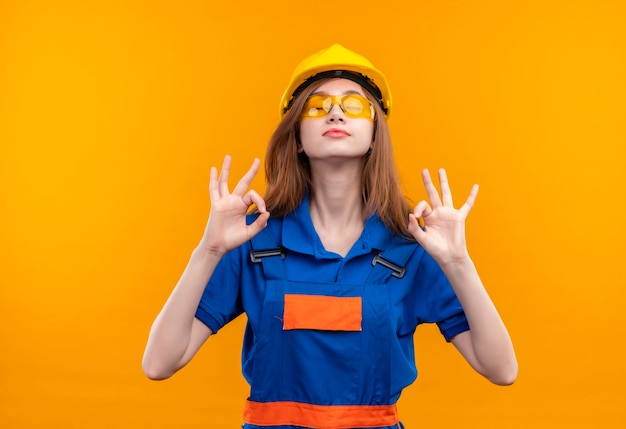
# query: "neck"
336,206
336,199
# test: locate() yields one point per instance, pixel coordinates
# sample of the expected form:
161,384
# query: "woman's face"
336,135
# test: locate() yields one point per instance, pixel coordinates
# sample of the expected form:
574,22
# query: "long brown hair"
288,173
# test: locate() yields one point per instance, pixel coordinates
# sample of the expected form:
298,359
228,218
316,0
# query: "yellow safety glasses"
353,105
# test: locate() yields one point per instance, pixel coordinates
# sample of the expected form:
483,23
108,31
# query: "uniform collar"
299,235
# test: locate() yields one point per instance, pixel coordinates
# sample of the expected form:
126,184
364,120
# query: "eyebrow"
351,91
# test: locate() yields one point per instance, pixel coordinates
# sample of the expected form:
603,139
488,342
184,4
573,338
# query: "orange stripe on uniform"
330,313
319,416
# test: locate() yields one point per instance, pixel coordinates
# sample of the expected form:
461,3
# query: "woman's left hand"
443,231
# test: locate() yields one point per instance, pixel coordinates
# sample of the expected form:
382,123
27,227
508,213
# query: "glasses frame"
315,100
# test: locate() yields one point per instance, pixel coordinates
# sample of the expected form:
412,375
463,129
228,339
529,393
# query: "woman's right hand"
227,228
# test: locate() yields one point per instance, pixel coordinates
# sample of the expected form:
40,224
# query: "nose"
335,114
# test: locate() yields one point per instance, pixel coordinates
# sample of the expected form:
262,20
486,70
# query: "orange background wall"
112,112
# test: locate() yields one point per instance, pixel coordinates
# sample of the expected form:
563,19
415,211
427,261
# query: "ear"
299,146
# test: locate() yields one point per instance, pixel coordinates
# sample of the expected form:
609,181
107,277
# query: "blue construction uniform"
365,365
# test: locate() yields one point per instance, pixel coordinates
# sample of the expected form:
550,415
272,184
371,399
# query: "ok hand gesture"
227,228
443,232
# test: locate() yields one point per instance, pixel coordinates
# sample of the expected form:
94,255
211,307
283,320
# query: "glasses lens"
352,105
327,104
315,106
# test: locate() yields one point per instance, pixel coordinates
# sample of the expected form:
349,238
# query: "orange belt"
319,416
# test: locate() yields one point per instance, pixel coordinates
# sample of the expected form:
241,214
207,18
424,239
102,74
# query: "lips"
336,132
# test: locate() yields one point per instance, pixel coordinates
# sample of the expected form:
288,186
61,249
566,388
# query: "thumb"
415,229
259,224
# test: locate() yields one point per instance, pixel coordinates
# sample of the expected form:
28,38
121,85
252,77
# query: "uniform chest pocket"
325,313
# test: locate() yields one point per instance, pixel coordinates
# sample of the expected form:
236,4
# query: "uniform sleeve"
444,307
221,299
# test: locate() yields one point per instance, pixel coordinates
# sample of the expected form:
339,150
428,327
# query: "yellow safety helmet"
338,62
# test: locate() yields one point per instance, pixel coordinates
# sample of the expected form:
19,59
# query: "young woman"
333,269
